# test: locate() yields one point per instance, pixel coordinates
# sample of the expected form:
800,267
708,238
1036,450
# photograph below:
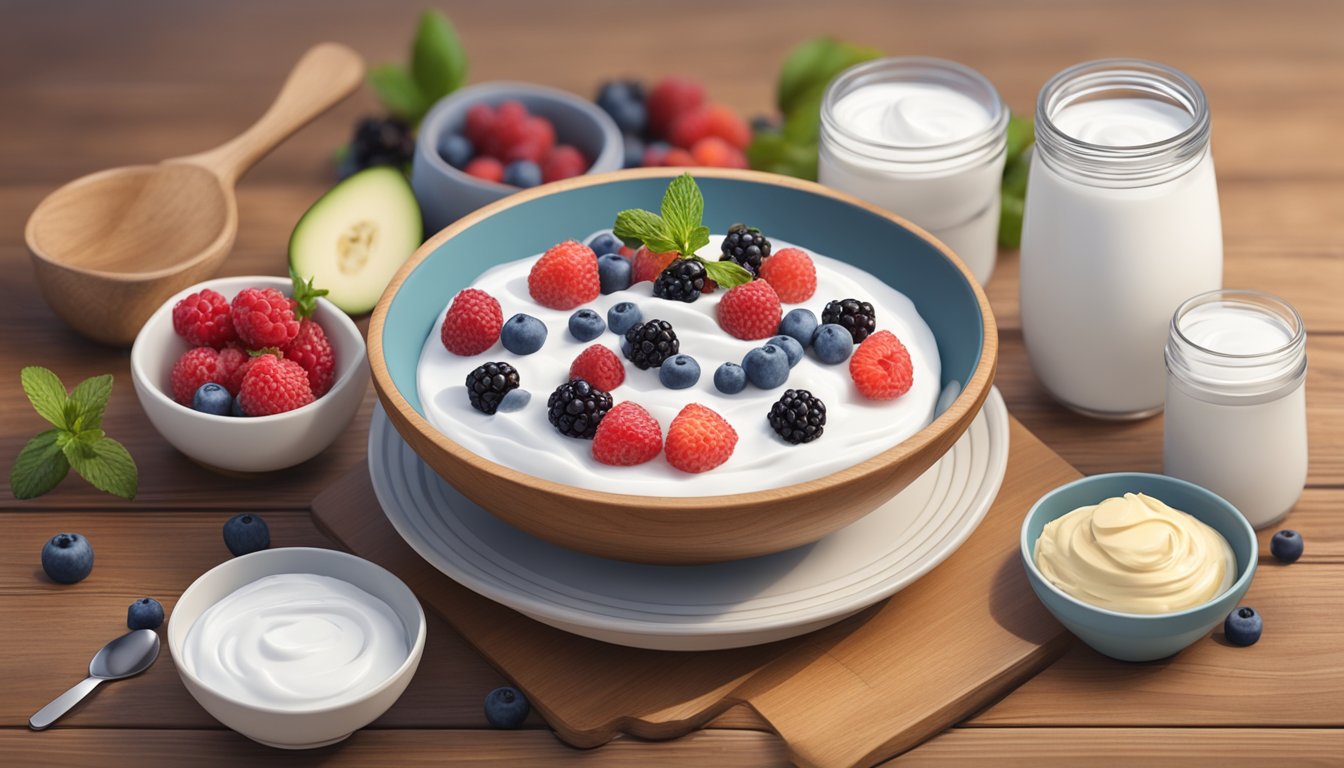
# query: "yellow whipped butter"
1135,554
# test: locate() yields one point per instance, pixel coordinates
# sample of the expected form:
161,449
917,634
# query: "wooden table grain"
87,85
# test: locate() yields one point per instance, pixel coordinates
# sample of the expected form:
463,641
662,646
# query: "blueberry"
236,408
456,149
730,378
523,334
622,317
605,242
790,346
620,90
506,707
1286,546
586,325
634,152
145,613
767,367
244,534
800,324
764,124
212,398
614,272
522,173
514,400
629,115
67,558
832,343
1243,626
679,372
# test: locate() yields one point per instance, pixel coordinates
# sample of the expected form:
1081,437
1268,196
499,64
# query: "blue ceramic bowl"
1134,636
446,194
703,528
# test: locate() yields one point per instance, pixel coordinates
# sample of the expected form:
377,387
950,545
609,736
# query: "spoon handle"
327,73
63,703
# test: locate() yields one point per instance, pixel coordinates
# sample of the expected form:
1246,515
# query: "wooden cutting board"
853,694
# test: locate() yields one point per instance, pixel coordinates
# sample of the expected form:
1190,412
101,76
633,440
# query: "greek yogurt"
856,428
294,640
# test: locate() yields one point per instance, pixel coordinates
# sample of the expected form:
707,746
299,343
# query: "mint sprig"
678,227
305,295
438,67
77,439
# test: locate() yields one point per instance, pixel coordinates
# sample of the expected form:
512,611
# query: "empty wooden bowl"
696,529
110,247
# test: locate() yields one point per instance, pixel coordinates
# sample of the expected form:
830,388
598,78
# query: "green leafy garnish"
438,67
305,295
77,439
1013,193
677,227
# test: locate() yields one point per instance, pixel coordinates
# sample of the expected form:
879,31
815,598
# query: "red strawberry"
710,120
472,323
791,273
232,365
565,276
264,317
195,367
311,350
598,366
627,436
670,98
881,367
717,153
699,439
204,320
648,265
750,311
563,162
487,168
273,385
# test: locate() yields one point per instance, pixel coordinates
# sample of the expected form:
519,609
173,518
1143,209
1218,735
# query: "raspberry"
750,311
649,265
714,120
472,323
264,317
487,168
563,162
195,367
599,366
699,439
539,130
654,154
717,153
627,436
881,367
233,363
480,122
272,385
203,319
792,274
527,150
670,98
311,350
565,276
677,157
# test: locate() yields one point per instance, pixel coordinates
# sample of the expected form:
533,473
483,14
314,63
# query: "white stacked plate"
700,607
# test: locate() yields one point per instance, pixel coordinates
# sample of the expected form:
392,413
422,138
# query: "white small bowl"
289,727
257,443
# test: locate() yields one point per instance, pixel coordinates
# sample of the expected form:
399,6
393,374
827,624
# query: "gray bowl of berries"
239,376
487,141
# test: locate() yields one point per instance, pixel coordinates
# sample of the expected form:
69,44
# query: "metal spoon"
128,655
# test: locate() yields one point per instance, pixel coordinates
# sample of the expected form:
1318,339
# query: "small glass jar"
925,139
1121,225
1236,419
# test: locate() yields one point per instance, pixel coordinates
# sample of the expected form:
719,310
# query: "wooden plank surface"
88,85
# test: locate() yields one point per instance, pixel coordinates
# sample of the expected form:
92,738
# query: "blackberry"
798,416
853,315
577,407
380,141
488,384
681,281
649,344
745,245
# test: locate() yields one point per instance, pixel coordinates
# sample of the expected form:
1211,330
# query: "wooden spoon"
111,247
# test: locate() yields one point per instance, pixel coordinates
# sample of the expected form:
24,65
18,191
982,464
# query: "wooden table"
88,85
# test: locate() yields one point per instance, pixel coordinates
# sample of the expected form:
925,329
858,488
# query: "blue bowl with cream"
1132,635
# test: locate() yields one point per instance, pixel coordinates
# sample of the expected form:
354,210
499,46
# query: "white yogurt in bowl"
856,429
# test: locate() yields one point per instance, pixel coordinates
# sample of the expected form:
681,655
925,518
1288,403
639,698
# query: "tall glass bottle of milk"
923,138
1121,225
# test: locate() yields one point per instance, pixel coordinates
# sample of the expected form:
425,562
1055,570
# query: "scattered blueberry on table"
679,372
145,613
1243,626
523,334
67,558
245,534
586,325
506,707
1286,546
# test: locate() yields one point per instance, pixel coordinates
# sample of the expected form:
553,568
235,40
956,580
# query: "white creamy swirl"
1135,554
906,114
296,639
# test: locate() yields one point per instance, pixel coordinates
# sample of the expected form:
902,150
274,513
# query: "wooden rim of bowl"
970,399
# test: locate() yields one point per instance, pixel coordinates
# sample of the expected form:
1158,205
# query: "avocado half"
355,237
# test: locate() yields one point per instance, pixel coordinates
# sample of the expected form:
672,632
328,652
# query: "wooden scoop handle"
327,73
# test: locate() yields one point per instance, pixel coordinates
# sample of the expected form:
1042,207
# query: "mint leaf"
106,464
398,92
682,209
812,64
39,467
728,274
46,392
88,401
305,295
438,61
636,227
697,239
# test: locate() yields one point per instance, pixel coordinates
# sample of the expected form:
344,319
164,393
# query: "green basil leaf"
398,91
106,464
812,64
728,274
682,209
636,227
89,399
40,466
438,61
46,392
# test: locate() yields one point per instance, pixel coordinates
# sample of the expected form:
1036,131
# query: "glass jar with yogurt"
925,139
1236,419
1121,225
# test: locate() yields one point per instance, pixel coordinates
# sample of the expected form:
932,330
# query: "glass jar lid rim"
1263,302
